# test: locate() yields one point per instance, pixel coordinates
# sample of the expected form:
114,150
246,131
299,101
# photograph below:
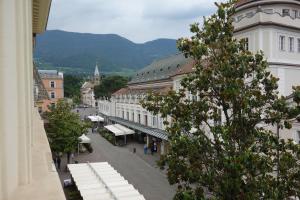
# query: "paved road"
149,180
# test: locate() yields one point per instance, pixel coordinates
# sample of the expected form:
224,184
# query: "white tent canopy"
84,139
118,129
96,118
99,181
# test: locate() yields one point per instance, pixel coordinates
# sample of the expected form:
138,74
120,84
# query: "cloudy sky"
137,20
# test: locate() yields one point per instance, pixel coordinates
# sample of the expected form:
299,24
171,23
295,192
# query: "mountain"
79,52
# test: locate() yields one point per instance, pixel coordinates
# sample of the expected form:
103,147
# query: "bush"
107,135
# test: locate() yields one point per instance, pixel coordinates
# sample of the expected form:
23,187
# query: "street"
140,172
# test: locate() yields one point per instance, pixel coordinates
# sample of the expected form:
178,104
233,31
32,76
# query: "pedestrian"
58,162
72,157
68,157
151,148
145,149
154,147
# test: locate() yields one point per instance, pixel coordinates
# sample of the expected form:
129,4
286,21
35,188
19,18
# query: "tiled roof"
185,69
50,74
127,90
161,69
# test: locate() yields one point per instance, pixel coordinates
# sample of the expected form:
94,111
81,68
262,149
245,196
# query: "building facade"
124,106
273,26
26,169
53,82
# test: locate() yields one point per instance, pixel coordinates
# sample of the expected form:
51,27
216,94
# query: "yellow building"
26,170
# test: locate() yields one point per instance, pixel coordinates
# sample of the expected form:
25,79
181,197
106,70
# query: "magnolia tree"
239,158
64,128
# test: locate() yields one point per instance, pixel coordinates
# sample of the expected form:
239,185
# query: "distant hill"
78,52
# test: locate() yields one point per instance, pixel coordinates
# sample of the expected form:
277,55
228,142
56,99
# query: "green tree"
64,128
72,85
238,158
110,85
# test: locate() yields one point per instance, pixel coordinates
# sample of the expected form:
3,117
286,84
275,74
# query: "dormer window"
285,12
282,43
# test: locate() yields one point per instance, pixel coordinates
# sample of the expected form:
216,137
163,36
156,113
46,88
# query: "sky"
137,20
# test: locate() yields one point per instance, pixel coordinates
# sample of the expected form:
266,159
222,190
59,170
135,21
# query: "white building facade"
272,26
26,170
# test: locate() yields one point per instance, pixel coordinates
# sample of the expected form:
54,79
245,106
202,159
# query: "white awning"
99,181
84,139
118,129
96,118
125,129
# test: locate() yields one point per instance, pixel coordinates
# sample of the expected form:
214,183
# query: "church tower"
97,77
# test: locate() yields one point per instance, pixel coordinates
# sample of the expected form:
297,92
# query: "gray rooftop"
160,69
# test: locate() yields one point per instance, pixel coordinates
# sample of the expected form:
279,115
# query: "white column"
8,101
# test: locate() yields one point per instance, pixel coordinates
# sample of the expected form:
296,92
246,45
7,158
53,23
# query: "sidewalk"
150,159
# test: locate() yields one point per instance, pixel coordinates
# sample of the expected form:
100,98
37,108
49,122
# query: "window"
132,116
52,84
245,41
154,121
291,44
123,114
298,137
282,43
295,13
127,115
146,120
299,45
52,95
285,12
139,118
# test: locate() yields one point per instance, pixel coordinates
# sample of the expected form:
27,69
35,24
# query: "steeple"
97,75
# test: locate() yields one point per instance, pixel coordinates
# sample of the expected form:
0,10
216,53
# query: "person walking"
145,149
154,147
58,162
72,158
151,148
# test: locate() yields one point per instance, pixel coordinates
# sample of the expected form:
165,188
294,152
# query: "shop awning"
145,129
118,129
99,181
125,129
96,118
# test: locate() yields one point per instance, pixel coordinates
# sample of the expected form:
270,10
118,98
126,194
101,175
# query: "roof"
160,69
98,181
54,74
243,2
151,131
87,85
185,69
96,73
128,90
